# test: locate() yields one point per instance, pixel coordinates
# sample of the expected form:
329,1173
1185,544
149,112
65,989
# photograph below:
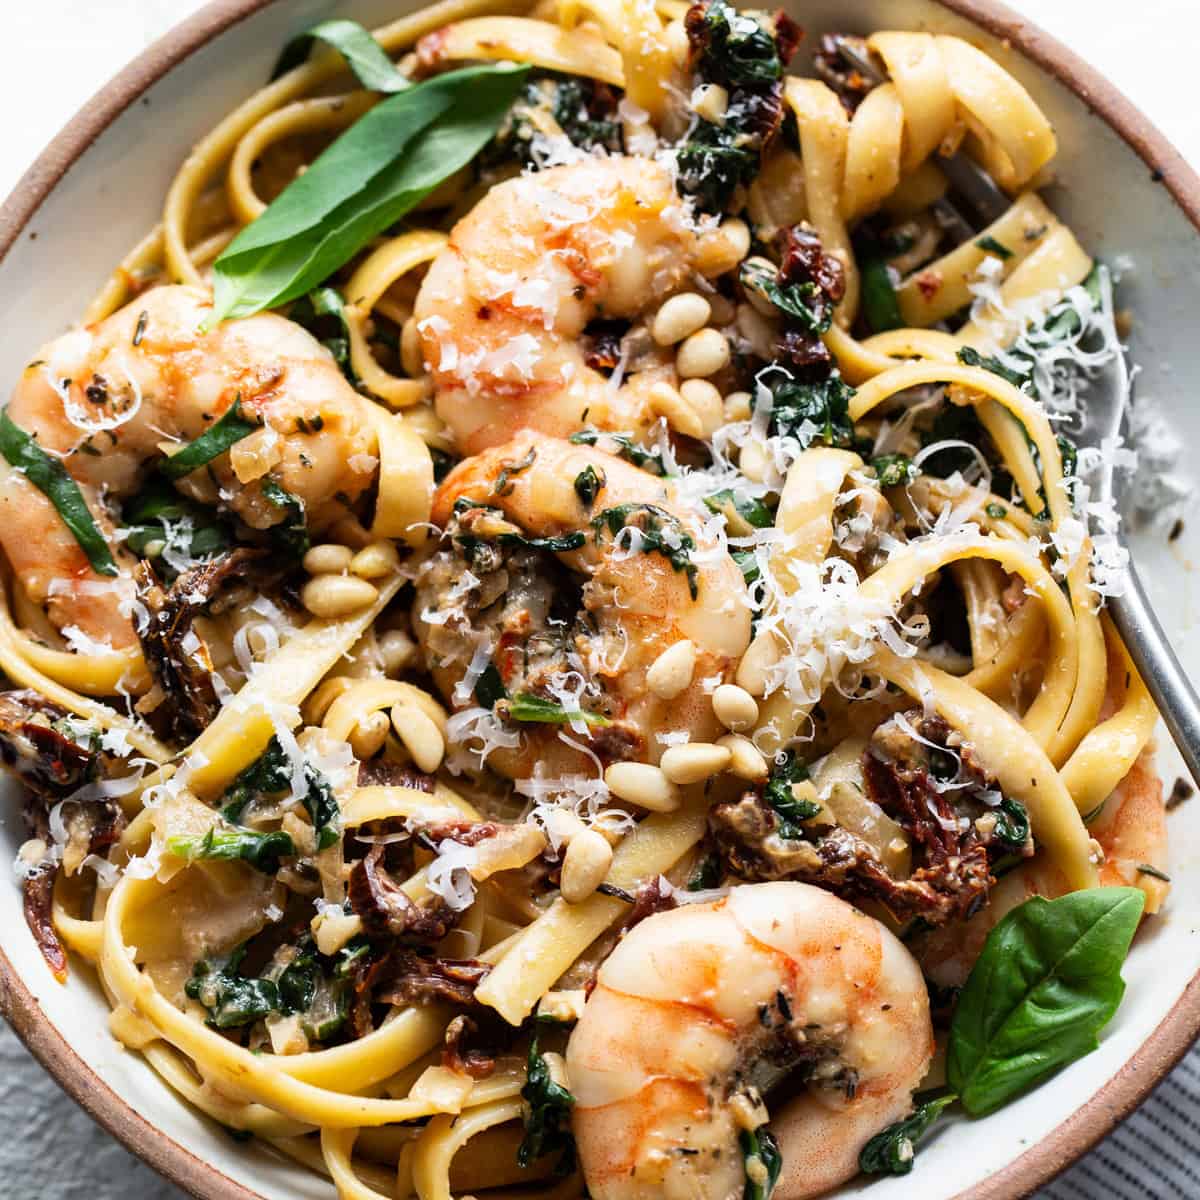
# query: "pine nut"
584,866
665,401
420,735
332,596
368,735
737,233
643,785
694,762
760,656
702,354
411,358
397,651
678,317
737,406
672,670
709,102
746,761
327,559
375,561
704,400
561,826
736,709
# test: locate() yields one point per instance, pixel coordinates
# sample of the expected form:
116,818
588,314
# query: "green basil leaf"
385,163
489,687
291,534
212,443
547,1119
363,54
50,477
1048,980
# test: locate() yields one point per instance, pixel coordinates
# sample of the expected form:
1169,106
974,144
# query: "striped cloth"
1154,1155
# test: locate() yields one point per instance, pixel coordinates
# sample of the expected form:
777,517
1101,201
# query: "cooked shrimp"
109,398
490,594
698,1007
503,307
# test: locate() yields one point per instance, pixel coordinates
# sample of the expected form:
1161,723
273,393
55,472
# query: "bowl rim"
1058,1149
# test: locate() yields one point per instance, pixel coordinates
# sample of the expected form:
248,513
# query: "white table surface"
57,54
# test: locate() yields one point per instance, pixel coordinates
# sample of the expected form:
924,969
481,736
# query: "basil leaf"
891,1152
363,54
212,443
323,313
386,162
790,812
881,309
754,512
1048,980
50,477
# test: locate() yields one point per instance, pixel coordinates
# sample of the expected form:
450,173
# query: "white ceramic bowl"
1125,192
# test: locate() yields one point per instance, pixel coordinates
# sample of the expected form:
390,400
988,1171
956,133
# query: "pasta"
555,530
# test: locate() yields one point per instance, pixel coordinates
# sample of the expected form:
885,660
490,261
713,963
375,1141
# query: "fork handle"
1159,668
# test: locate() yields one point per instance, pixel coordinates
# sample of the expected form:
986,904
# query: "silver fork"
1103,416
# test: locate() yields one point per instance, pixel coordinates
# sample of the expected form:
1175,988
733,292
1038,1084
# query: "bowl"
1130,198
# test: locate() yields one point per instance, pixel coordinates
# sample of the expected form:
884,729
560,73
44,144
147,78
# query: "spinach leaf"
881,309
291,534
1012,824
990,246
588,483
626,448
212,443
1048,980
714,161
813,411
706,874
158,513
996,511
363,54
763,1162
747,564
526,707
261,850
736,49
585,110
893,470
799,299
892,1151
384,164
971,357
270,773
323,313
50,477
789,811
489,687
548,1121
231,999
754,512
660,533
